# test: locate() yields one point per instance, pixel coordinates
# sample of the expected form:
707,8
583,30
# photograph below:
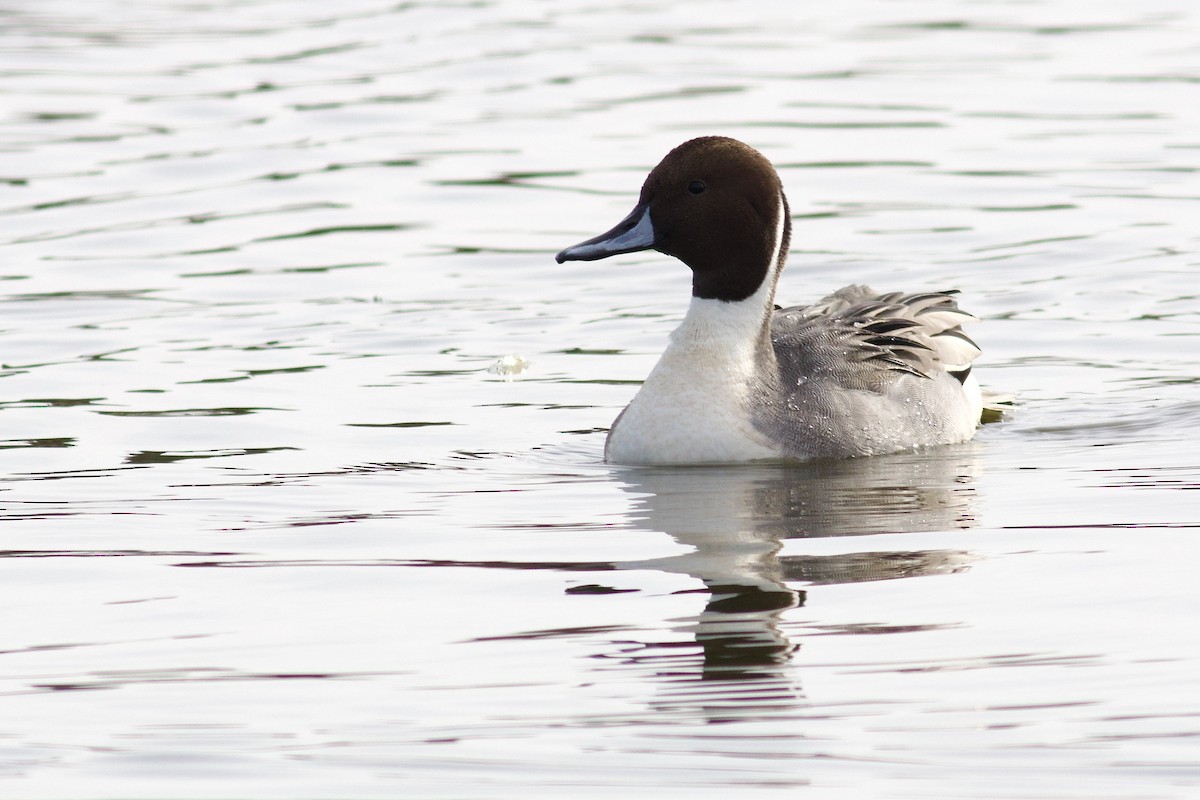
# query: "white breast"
693,407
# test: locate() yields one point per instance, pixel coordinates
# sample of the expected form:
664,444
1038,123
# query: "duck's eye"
696,187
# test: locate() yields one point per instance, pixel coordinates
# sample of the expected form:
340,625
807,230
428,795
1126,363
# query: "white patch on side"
975,400
693,406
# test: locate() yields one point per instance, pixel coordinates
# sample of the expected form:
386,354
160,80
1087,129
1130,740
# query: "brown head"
714,203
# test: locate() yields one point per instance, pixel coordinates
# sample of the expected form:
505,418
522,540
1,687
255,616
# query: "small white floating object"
509,366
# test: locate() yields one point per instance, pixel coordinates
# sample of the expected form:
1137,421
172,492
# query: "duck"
858,373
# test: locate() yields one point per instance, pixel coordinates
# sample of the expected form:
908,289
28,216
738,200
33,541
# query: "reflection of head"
739,631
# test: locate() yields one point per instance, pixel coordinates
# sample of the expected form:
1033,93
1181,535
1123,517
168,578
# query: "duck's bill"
635,232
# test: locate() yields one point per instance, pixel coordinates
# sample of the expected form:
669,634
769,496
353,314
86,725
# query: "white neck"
731,328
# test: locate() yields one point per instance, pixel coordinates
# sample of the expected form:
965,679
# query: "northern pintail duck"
856,374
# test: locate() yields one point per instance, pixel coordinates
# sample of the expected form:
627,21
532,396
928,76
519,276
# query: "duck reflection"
735,522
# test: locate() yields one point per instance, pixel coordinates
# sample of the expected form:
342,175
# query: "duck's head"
714,203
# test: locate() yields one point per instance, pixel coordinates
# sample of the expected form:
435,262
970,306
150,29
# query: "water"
274,530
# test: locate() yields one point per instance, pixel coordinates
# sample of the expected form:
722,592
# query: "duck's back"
861,373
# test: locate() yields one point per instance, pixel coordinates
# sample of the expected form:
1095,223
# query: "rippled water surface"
273,529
